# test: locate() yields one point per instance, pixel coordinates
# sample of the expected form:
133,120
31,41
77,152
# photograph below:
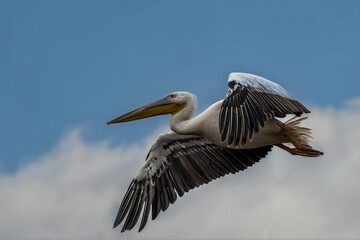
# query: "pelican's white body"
206,125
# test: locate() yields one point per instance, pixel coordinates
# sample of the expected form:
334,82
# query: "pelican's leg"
294,151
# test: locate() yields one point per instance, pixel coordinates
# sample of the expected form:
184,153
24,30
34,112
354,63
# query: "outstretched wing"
249,103
176,164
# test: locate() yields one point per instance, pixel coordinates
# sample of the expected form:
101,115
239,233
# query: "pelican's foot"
304,150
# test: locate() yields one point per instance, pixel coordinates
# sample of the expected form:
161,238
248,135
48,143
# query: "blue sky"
71,64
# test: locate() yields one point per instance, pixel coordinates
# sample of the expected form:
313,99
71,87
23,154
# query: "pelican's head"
170,104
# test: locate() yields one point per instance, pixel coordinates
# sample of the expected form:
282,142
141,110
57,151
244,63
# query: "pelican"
229,136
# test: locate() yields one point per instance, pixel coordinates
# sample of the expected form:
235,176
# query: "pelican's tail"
301,134
300,137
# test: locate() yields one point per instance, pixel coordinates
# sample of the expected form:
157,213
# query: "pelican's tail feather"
300,137
301,134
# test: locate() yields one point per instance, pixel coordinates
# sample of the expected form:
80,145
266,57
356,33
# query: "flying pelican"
229,136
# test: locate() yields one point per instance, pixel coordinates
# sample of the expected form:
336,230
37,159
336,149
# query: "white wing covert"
249,103
176,164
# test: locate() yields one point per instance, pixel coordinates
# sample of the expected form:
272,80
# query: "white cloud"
73,192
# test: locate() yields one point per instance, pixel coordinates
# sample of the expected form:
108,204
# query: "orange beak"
160,107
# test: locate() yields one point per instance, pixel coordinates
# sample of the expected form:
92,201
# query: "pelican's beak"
162,106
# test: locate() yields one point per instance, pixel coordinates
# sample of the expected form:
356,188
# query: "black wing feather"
254,100
198,163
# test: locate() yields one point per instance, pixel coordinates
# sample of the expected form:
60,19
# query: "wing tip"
115,224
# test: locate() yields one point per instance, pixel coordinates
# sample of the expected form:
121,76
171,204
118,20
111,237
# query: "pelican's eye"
172,95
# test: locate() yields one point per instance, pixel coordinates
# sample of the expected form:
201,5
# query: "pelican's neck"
181,122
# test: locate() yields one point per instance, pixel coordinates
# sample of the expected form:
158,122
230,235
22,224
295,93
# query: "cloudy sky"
67,67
